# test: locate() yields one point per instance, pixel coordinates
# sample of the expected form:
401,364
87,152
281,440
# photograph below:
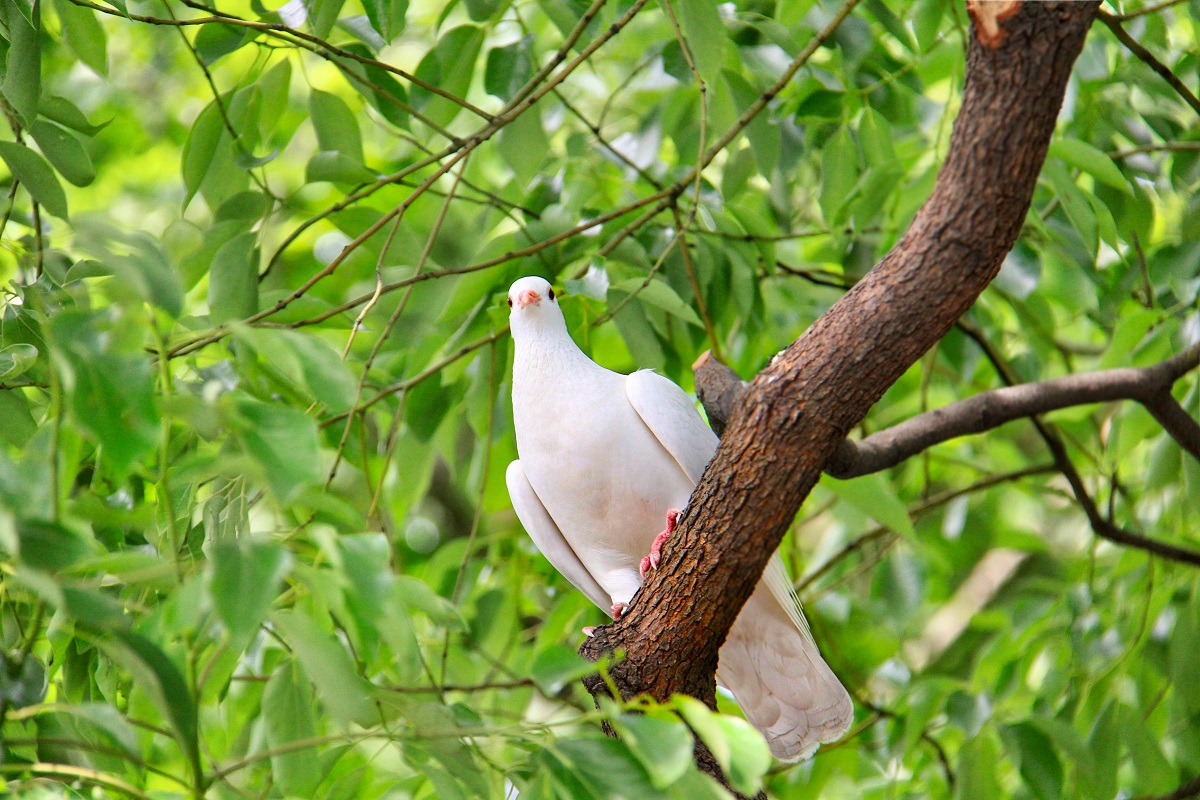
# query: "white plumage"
603,456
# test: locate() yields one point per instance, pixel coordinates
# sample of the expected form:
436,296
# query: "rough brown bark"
801,406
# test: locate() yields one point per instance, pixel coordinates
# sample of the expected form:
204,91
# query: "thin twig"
1135,47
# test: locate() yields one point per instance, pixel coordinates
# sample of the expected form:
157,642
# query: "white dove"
603,457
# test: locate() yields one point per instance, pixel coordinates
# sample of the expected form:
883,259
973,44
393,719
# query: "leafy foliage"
254,535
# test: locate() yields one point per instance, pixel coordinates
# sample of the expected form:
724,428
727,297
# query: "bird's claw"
651,561
618,609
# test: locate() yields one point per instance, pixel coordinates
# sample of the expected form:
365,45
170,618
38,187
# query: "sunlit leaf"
245,580
343,692
36,176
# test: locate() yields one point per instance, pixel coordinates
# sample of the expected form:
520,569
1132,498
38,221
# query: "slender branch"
1181,147
1175,421
1154,9
1148,385
918,510
1135,47
1102,527
721,391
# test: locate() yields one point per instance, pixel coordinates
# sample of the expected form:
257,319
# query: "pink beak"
528,296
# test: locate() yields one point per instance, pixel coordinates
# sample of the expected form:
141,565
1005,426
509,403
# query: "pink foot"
651,561
589,631
618,609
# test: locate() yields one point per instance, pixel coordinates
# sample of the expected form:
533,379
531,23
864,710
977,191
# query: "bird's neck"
545,351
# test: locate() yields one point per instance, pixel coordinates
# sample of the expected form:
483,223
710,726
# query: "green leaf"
508,69
839,173
17,425
524,145
65,152
1153,773
103,718
36,176
976,773
16,359
1129,332
22,683
427,405
50,546
84,34
147,269
660,295
1037,759
67,114
244,582
325,373
483,10
450,66
891,23
288,717
22,84
386,16
875,497
763,136
379,87
606,767
200,149
737,746
233,279
1185,643
664,747
706,37
927,19
158,676
215,40
337,168
877,138
109,386
323,14
343,692
415,594
284,443
1075,204
335,125
1091,160
558,665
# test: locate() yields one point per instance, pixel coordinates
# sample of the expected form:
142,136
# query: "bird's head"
534,306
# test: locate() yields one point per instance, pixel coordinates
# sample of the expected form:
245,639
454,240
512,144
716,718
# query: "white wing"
548,538
673,419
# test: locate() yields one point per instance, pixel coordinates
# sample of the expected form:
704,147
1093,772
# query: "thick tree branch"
1148,385
798,409
721,391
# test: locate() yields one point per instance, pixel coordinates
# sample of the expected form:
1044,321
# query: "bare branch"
1135,47
1102,527
719,388
1148,385
1175,421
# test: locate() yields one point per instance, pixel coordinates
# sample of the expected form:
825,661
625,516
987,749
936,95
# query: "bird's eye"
551,294
510,302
